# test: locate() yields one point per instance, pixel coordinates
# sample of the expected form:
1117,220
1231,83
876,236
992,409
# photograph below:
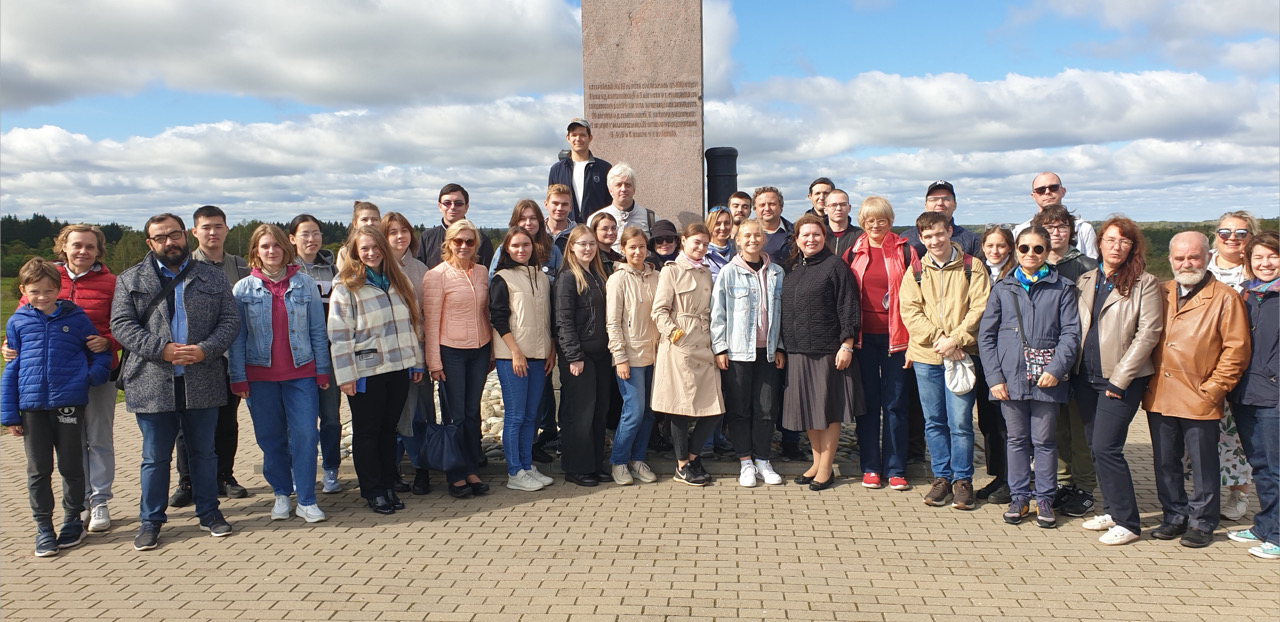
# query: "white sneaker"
281,509
99,518
310,513
747,476
330,481
1117,535
537,476
1099,523
621,476
765,471
643,472
1266,550
522,481
1235,505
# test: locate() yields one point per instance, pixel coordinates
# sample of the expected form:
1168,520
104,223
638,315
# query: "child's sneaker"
46,541
72,532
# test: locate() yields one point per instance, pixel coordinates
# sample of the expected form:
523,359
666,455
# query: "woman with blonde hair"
363,214
419,407
278,363
633,340
720,249
585,372
375,336
459,353
686,380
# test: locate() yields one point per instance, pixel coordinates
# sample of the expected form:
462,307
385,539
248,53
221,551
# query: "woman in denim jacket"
746,320
279,363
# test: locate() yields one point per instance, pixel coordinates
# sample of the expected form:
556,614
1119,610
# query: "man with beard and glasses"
1203,350
174,378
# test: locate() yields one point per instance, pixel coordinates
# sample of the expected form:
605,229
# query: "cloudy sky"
1161,109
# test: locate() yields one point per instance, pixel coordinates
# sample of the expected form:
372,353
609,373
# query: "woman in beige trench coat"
686,383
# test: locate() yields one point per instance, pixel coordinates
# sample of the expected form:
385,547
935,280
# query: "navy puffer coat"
54,368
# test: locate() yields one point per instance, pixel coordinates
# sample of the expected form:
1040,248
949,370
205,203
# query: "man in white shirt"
582,172
1047,189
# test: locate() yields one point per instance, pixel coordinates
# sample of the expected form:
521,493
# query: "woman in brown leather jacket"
1121,316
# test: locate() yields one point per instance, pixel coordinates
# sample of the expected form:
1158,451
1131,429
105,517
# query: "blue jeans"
465,371
1031,423
1259,429
520,400
882,449
159,432
285,416
330,426
948,424
631,439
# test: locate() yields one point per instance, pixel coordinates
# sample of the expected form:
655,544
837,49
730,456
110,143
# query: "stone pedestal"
642,85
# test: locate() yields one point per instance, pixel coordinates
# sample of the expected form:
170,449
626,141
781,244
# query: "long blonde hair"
352,275
571,260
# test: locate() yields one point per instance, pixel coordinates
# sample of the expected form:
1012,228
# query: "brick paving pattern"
663,551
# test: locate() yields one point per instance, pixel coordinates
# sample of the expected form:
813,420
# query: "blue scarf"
379,281
1026,281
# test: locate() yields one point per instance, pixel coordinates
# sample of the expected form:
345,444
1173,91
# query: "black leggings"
374,415
703,428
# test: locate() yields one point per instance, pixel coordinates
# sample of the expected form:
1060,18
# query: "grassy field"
8,300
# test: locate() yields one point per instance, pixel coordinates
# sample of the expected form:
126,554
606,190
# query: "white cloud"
719,34
332,52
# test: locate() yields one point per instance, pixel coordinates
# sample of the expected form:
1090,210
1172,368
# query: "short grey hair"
1200,238
620,170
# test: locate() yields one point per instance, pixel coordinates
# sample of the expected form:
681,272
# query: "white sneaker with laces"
537,476
747,475
1099,523
764,470
1243,535
1266,550
621,476
1235,505
311,513
1117,535
522,481
330,481
643,472
99,518
281,509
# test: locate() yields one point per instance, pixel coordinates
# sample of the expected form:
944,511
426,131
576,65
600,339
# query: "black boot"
421,482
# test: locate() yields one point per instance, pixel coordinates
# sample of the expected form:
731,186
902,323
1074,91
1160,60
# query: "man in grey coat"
174,377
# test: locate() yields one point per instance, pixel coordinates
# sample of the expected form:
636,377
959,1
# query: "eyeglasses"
463,242
1057,227
1034,250
585,243
1238,234
942,199
175,235
1047,189
664,240
453,203
844,204
1118,242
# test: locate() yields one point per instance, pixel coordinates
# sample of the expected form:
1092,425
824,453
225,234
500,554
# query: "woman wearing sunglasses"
1027,341
1227,263
879,259
459,357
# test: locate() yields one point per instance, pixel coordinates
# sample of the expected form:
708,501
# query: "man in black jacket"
453,202
584,174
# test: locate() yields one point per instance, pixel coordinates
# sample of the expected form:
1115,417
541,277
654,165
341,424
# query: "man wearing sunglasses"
1047,189
453,203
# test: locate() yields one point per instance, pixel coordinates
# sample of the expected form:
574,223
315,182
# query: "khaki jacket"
529,298
629,294
1202,352
943,304
1128,329
686,379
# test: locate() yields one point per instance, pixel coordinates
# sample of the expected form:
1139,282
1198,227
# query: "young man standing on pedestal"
582,172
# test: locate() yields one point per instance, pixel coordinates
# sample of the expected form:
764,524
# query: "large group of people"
741,325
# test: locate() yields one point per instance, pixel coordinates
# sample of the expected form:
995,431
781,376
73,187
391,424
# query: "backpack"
917,268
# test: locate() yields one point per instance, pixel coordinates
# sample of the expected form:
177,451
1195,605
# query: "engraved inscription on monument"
645,109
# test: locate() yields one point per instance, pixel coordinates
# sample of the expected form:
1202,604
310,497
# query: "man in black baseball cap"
582,172
941,197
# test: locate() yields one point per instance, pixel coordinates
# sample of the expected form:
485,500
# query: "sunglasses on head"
1034,250
718,208
1047,189
463,242
1238,234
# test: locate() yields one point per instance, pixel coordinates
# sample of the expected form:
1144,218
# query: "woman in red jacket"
88,282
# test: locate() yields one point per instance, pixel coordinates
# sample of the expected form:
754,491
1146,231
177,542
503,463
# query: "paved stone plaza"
647,552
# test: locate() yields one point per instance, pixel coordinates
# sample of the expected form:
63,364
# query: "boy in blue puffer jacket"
44,392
